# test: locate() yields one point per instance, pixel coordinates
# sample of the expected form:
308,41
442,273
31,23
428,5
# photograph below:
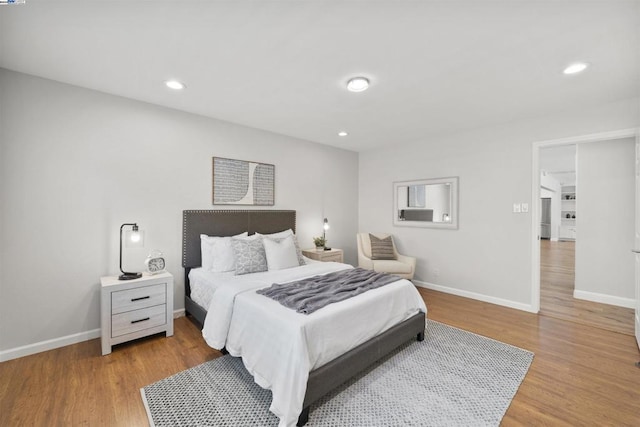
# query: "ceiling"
435,67
560,163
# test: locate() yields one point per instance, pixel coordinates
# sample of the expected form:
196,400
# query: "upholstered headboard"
228,223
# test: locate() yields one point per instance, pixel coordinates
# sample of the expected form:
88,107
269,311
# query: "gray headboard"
228,223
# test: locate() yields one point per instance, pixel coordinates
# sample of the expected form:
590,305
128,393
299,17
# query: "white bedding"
204,283
279,346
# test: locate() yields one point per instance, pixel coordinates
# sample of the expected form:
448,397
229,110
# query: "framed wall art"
240,182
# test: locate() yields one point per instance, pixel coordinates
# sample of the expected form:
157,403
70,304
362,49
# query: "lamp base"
129,276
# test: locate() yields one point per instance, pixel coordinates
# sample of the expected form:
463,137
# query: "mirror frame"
452,225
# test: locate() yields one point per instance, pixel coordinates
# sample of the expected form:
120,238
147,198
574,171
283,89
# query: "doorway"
554,288
557,287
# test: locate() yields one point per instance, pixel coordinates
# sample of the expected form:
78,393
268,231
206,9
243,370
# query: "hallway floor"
557,276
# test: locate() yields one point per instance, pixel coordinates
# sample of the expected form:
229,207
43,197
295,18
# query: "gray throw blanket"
308,295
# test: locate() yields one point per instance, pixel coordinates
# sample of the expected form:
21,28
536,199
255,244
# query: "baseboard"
39,347
476,296
604,299
638,329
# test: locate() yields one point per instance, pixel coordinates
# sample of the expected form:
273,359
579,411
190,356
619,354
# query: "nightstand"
335,255
132,309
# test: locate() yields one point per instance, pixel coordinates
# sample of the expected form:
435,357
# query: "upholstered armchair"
385,248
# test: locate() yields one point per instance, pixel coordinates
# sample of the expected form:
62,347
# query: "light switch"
516,208
525,207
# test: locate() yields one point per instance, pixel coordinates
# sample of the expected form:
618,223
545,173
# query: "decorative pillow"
217,253
382,248
301,260
283,234
250,255
280,253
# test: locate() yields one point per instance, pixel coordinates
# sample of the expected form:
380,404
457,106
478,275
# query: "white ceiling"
435,66
560,162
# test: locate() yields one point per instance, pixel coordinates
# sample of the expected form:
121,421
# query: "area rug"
452,378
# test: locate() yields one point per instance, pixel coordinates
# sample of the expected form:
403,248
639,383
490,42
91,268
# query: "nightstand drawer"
335,257
137,320
134,299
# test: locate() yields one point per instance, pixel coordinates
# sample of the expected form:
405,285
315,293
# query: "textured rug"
452,378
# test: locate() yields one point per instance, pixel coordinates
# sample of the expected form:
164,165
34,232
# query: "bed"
229,324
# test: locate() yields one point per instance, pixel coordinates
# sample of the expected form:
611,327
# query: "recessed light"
575,68
342,133
175,84
358,84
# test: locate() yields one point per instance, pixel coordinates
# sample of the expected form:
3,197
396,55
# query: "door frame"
535,191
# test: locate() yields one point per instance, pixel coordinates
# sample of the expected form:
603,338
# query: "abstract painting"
240,182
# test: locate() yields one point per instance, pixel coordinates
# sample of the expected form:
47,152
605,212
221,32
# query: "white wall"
76,164
489,256
605,198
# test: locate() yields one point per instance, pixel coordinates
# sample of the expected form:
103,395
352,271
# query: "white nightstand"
132,309
335,255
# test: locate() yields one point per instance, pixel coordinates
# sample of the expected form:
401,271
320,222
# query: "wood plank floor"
580,375
557,279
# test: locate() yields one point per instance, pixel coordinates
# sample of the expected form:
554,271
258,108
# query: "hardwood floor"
557,278
77,386
580,375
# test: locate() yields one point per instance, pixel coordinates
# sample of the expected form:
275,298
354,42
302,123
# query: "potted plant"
320,243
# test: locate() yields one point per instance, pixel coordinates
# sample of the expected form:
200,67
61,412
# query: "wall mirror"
431,203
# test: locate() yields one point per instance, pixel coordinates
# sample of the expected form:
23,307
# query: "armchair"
403,266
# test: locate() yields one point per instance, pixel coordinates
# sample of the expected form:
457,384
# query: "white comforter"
279,346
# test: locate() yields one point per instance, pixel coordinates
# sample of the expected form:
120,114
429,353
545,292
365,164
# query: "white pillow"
283,234
245,237
278,235
280,254
217,253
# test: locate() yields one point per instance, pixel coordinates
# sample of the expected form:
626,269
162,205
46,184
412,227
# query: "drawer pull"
140,298
140,320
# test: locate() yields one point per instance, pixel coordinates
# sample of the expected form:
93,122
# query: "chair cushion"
382,248
391,266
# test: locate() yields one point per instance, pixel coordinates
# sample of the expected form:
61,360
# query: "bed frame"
232,222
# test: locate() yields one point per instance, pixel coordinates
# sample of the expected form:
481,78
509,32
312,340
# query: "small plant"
320,242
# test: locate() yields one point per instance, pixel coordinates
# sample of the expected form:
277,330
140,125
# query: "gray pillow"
382,248
301,260
250,255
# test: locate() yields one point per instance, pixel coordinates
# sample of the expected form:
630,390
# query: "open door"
636,249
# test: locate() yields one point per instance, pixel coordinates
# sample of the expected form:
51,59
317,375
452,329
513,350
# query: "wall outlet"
436,273
525,207
516,208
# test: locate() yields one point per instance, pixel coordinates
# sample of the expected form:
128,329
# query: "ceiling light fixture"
174,84
576,68
358,84
342,133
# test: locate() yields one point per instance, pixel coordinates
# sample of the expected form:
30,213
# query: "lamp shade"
135,237
325,227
